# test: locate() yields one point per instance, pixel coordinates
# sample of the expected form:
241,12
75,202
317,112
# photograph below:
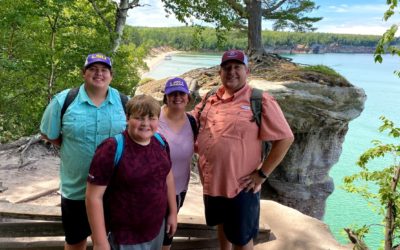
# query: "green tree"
43,44
386,179
248,14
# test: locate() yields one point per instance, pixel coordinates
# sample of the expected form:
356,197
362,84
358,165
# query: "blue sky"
346,17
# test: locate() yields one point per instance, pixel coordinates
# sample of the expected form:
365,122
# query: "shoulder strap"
209,93
256,108
160,139
256,104
124,100
120,140
193,124
72,93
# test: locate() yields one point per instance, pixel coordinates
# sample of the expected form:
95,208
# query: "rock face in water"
318,109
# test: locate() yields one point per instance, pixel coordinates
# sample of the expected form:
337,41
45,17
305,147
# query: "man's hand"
252,181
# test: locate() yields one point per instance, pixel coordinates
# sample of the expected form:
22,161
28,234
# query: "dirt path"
37,177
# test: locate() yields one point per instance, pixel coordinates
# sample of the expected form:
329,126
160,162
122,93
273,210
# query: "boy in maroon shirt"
139,188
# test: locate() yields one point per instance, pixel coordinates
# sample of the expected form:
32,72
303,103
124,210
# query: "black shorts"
179,202
239,215
74,219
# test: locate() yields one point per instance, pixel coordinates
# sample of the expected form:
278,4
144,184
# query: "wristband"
262,174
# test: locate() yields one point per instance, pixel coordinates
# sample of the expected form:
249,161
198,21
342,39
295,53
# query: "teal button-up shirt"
84,127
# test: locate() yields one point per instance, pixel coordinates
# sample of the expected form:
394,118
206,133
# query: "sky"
339,16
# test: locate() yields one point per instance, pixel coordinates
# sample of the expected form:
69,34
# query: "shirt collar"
221,90
83,96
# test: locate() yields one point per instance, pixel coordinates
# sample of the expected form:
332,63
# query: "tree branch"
238,8
98,11
270,9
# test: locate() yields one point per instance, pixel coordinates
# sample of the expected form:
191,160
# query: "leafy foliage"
43,45
386,42
386,200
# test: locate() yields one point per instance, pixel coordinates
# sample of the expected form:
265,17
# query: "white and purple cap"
176,84
234,55
97,58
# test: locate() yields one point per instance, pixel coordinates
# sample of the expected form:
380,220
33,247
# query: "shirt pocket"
244,124
74,126
231,124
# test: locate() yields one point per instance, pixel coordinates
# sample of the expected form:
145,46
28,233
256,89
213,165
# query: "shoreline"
152,61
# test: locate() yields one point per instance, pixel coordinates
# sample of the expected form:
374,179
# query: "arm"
278,151
50,125
172,220
55,142
94,208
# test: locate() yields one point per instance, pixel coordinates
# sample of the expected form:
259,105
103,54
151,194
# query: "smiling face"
142,128
142,118
97,75
177,100
233,75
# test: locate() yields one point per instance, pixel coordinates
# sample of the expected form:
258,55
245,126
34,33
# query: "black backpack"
256,108
72,93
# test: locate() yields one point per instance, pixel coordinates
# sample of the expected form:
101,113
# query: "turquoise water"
383,98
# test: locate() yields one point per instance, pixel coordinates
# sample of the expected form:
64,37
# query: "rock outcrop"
318,108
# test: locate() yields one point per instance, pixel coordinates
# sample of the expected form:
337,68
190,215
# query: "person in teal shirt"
95,114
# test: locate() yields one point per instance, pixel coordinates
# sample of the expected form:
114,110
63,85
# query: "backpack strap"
120,140
160,139
204,102
256,108
124,100
256,105
72,93
193,124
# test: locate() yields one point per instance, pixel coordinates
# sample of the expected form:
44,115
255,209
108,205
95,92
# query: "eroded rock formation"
318,108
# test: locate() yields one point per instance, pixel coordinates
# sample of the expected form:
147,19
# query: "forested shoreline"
206,39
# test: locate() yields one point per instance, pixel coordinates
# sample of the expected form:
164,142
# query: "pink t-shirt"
229,143
181,146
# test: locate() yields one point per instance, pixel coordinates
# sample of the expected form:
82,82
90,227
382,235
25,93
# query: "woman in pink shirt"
176,126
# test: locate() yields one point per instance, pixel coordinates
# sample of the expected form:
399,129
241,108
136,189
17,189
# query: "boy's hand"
172,224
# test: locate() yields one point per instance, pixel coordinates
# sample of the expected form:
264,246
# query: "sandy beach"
156,56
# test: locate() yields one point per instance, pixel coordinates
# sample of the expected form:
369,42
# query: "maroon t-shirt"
137,188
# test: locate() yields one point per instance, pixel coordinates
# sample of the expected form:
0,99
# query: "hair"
165,98
142,105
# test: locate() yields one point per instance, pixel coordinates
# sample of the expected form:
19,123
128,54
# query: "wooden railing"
45,221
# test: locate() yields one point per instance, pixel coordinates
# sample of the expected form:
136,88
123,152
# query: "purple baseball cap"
97,58
234,55
176,84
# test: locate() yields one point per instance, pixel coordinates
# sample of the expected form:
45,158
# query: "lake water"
383,98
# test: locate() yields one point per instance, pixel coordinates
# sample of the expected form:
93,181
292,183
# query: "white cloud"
354,29
339,9
358,8
152,14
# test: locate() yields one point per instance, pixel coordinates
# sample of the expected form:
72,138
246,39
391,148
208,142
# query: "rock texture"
318,108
